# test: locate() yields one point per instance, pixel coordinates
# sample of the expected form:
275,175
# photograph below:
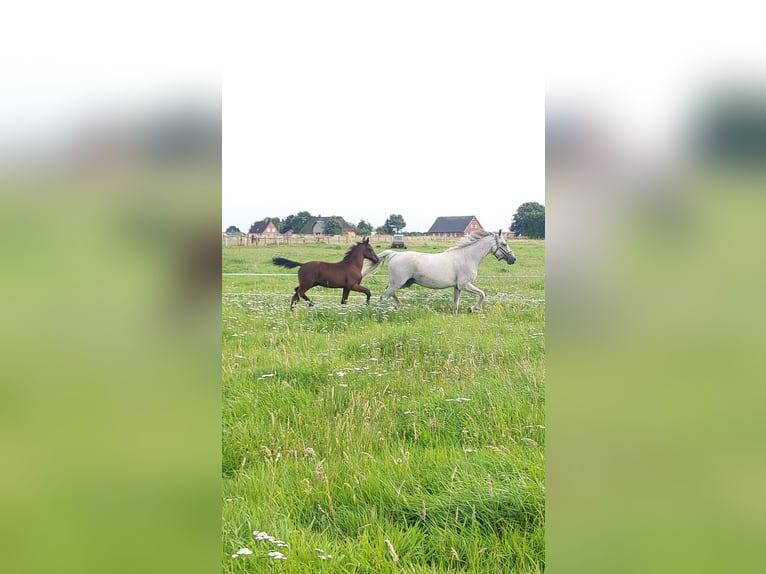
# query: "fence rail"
261,240
384,241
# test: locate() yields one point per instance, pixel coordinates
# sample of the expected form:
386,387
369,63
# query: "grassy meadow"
361,439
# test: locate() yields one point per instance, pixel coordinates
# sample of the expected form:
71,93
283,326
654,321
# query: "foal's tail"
282,262
369,267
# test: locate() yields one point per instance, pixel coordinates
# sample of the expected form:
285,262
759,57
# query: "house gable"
455,226
263,228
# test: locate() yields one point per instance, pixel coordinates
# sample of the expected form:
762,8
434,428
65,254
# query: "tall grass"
373,440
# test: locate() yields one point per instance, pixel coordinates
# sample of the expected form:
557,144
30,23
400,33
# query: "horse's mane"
347,256
470,239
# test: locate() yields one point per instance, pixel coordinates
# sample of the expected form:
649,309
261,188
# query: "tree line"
295,222
528,221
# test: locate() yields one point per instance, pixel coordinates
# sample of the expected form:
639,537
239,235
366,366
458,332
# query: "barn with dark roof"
456,226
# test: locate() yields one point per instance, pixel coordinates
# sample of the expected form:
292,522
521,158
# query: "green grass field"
372,440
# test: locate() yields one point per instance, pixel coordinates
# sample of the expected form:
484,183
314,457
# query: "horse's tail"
282,262
369,267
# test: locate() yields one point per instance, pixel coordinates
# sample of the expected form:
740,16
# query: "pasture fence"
379,241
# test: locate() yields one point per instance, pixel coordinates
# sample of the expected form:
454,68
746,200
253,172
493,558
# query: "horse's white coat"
456,267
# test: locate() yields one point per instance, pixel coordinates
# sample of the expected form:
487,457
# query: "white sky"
64,63
359,109
436,108
364,110
644,68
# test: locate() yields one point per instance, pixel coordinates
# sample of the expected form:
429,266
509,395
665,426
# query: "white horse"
456,267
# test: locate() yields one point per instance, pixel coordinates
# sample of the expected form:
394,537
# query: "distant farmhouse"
454,226
262,229
316,226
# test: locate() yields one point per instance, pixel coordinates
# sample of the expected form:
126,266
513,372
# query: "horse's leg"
344,298
306,298
390,292
300,292
455,300
361,289
473,289
295,298
385,295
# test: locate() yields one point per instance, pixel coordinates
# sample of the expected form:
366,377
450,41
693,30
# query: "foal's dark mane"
349,253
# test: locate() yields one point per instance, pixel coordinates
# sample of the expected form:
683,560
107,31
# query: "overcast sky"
65,64
365,110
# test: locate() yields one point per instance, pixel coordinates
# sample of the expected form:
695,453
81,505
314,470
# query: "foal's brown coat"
346,274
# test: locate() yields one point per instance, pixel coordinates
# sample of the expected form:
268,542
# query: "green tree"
394,224
529,220
295,222
364,228
333,227
233,229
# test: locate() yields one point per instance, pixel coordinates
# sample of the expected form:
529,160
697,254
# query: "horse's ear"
500,232
367,240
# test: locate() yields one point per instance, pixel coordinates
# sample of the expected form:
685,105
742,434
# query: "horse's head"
369,253
502,251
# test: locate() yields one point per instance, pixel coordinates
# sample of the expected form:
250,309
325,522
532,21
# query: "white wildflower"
241,551
268,537
263,536
276,555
